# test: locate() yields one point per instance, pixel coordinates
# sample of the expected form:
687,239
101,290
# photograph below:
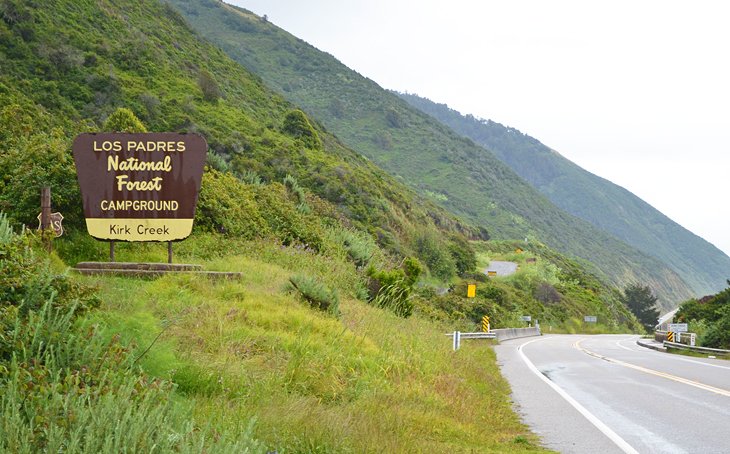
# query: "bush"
318,295
718,333
208,86
360,247
292,186
70,391
29,163
547,294
434,254
396,297
297,125
289,224
123,120
227,206
392,289
463,254
217,162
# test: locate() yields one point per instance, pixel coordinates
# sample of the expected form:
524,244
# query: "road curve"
585,394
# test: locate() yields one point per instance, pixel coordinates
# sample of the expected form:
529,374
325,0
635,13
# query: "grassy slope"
368,382
592,198
461,176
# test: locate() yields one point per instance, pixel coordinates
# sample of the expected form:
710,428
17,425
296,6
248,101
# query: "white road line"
697,362
696,384
680,358
600,425
618,342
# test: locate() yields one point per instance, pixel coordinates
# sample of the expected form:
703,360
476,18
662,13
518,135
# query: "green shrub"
251,177
123,120
412,269
26,281
290,225
297,125
360,246
64,388
26,284
29,163
434,253
396,297
227,206
208,86
217,162
463,254
292,186
392,289
718,332
318,295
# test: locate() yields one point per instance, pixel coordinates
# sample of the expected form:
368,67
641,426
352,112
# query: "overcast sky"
637,92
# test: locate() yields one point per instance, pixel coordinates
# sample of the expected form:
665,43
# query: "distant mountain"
600,202
453,171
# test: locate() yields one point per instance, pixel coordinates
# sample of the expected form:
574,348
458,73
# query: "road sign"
678,327
590,319
491,273
485,323
56,220
471,290
526,318
670,336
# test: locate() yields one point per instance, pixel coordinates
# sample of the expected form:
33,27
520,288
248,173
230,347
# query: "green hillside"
451,170
598,201
66,68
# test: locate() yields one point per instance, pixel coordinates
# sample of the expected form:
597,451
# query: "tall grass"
370,381
68,390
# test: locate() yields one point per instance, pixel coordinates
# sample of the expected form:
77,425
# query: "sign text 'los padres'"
139,187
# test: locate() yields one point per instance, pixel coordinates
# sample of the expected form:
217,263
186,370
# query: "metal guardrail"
458,335
706,350
499,334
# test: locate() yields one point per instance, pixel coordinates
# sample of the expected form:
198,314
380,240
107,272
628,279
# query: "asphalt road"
502,268
605,394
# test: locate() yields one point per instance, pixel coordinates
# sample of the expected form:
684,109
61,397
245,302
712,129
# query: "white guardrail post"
457,336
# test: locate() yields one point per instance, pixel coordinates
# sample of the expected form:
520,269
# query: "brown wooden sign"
139,187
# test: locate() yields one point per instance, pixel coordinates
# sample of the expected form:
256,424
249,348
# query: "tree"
642,303
123,120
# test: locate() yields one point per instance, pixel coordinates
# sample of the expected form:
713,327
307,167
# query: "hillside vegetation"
452,171
70,65
709,318
598,201
185,364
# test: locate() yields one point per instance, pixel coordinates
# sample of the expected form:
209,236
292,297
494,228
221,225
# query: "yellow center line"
712,389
